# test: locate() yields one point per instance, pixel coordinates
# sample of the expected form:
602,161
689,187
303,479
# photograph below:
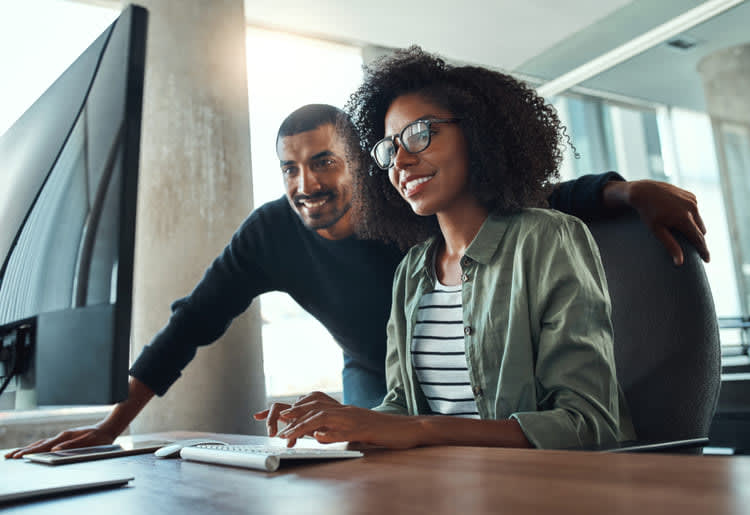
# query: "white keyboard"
259,457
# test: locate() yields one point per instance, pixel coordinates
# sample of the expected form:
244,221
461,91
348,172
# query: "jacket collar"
489,238
484,245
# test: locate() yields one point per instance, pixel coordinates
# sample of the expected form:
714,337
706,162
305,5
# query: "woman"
500,331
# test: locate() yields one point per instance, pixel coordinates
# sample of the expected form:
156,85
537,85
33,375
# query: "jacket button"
476,390
468,330
464,278
465,261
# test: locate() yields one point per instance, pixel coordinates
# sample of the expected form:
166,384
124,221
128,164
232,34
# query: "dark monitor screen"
68,183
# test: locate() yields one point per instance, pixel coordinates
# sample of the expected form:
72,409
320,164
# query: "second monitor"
69,182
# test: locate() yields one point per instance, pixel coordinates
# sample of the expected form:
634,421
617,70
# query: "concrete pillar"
195,189
726,85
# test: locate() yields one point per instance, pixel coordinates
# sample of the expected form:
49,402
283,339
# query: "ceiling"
499,33
537,38
663,74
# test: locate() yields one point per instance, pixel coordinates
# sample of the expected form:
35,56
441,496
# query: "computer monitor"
68,183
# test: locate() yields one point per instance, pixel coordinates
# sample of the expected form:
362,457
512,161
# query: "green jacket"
537,329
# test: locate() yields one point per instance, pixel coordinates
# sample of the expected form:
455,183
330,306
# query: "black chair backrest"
666,334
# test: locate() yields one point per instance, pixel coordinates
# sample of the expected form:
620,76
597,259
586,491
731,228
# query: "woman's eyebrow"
423,117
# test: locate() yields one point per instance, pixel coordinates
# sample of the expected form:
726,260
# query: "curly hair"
514,140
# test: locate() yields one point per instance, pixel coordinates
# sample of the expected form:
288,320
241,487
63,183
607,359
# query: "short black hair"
312,116
514,140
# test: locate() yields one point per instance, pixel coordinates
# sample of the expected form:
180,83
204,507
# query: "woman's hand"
328,423
662,207
273,414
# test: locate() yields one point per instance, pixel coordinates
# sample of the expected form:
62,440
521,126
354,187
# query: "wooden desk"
434,480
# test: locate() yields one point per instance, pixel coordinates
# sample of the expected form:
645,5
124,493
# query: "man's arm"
229,285
227,288
101,433
663,207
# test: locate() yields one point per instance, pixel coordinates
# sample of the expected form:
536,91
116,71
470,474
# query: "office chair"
666,335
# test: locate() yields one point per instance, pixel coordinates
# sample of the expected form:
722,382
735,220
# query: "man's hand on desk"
78,437
103,433
663,207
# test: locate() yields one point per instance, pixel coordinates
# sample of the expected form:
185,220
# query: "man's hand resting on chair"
662,207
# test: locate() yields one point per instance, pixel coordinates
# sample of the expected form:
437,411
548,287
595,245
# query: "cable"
11,368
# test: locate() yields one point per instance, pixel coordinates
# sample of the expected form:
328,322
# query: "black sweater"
345,284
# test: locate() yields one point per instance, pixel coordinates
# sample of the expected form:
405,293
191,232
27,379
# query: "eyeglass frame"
392,139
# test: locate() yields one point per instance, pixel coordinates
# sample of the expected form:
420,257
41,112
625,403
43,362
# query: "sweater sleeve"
227,288
582,197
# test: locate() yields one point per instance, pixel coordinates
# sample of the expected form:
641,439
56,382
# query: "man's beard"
316,226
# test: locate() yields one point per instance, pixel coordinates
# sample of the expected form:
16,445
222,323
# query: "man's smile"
313,202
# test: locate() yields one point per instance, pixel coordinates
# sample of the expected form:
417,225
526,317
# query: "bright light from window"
286,72
39,39
699,173
629,140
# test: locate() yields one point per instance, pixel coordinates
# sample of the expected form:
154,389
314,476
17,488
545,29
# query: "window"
39,39
589,130
286,72
610,137
677,146
697,170
734,144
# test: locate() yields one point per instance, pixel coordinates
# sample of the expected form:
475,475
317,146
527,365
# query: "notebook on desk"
26,487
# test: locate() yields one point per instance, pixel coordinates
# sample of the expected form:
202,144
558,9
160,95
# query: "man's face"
317,179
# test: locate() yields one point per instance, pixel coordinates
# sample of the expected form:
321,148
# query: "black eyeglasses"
415,138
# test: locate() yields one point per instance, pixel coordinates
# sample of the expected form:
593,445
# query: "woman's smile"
411,185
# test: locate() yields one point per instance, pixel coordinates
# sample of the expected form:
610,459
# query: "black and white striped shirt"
438,353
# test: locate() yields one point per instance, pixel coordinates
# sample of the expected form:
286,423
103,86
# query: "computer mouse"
173,449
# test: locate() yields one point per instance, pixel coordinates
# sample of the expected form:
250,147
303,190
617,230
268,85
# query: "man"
305,245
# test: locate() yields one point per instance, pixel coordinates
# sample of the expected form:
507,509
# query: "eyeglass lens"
415,138
383,153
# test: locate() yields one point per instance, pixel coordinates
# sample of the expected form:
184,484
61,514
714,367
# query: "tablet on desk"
98,452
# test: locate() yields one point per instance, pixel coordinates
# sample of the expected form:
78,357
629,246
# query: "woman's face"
436,179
